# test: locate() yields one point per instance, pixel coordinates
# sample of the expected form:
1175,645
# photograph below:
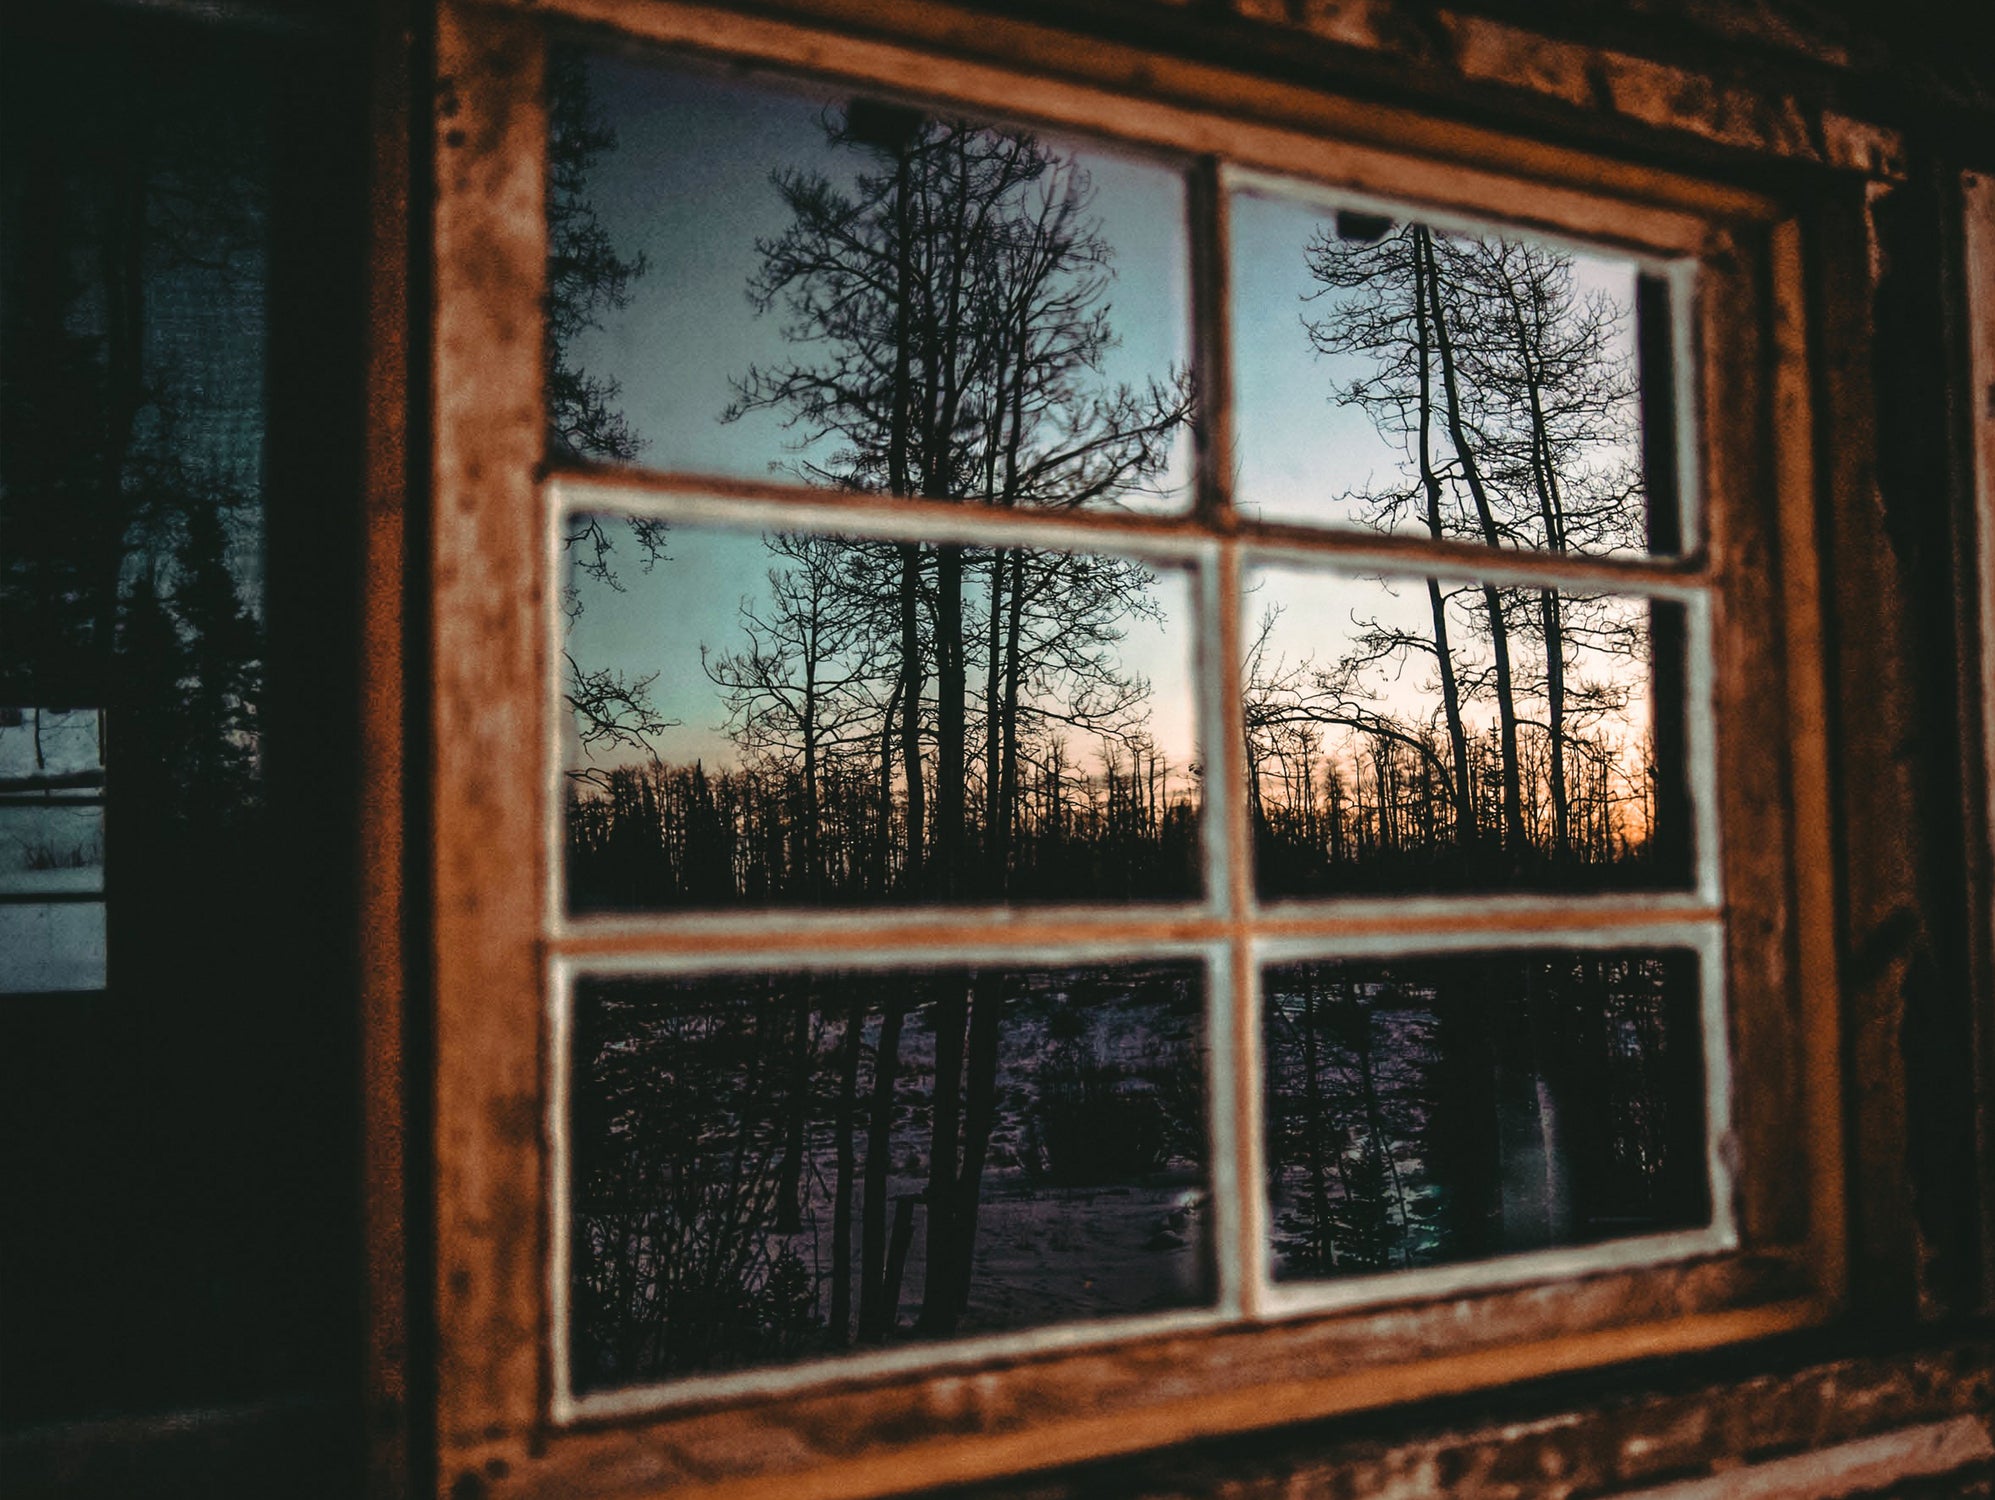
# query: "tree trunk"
979,1117
1451,697
1314,1125
951,710
796,1112
1008,721
945,1117
1375,1117
1552,622
900,480
913,675
839,1327
812,852
1499,630
1551,514
1466,1155
996,854
884,845
896,1269
875,1312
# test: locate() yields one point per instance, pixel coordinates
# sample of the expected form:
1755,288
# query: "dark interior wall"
184,232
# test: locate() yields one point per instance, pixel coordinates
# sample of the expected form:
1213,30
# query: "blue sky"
688,186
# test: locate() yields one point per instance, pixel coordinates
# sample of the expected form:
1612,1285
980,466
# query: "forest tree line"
1350,790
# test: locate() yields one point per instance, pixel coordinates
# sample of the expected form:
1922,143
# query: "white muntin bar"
1685,368
1259,183
704,499
1700,714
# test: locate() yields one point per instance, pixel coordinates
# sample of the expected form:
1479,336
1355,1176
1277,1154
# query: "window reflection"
1485,387
778,1167
765,280
1423,1111
178,342
1426,734
51,850
799,719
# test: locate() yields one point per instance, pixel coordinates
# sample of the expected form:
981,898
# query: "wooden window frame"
502,948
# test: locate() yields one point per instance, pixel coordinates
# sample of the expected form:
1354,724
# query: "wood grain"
487,592
1038,1413
1030,72
1816,972
1978,281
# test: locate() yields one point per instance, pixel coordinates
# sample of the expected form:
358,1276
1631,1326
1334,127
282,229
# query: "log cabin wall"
1878,121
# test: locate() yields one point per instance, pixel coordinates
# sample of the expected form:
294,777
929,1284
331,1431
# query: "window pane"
51,851
1399,378
1423,1111
771,1168
1430,735
51,947
745,710
762,280
179,344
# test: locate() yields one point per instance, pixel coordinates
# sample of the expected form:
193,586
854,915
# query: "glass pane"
758,279
1430,1110
51,947
771,1168
1399,378
51,851
1428,735
791,719
51,847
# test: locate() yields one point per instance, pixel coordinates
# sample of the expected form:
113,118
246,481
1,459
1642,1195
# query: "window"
177,327
1148,792
52,807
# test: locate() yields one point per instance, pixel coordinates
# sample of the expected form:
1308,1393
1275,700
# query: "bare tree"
587,278
1566,397
796,694
1510,394
951,316
949,309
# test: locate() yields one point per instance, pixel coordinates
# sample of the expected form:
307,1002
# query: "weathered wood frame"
1978,278
501,946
